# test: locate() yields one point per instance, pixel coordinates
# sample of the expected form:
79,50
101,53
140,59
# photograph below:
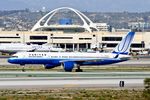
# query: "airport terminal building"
64,33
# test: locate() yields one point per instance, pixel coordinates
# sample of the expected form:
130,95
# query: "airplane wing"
70,63
79,61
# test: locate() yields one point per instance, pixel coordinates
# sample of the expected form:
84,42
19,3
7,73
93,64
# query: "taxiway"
46,80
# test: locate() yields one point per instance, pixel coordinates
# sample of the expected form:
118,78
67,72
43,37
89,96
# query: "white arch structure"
87,23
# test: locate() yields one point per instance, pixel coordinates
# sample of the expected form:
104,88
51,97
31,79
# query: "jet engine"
68,66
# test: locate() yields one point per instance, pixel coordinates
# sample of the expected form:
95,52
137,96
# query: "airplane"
69,60
12,48
48,48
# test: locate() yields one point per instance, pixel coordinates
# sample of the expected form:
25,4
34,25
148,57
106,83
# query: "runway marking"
71,85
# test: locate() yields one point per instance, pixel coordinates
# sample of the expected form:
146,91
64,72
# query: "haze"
82,5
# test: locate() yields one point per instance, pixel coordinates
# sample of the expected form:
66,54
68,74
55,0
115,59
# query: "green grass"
86,69
72,94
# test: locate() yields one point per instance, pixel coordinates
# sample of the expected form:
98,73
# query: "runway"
61,83
72,80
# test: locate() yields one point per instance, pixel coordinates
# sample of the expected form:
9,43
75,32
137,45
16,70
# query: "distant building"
122,30
139,26
43,9
1,29
102,26
76,41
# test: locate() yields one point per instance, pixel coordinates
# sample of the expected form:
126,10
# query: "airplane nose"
11,60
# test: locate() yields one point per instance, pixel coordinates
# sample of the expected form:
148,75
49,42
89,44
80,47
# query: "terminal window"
9,37
38,37
112,45
111,38
85,38
61,37
137,45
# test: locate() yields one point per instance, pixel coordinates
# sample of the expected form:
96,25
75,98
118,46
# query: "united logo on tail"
124,46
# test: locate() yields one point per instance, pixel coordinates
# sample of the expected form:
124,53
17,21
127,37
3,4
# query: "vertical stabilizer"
124,46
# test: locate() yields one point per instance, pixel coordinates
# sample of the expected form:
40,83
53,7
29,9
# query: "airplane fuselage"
59,57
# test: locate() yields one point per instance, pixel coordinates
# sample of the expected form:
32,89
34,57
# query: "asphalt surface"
76,83
72,80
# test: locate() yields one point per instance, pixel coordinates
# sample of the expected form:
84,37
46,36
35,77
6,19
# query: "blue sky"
82,5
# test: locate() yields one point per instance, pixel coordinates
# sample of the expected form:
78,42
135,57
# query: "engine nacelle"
68,66
49,66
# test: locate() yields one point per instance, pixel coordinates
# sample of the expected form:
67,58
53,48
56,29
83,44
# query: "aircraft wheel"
79,70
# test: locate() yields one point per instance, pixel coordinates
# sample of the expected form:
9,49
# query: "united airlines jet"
69,60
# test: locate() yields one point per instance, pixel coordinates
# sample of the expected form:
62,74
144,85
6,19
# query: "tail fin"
124,46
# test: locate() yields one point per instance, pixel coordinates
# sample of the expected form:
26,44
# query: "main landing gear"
78,69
